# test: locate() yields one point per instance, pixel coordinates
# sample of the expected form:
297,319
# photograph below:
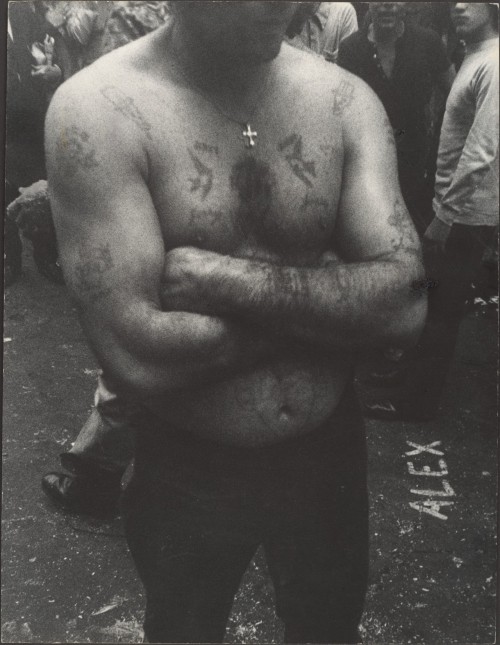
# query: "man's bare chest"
281,196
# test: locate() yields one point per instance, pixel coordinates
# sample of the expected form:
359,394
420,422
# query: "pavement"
433,503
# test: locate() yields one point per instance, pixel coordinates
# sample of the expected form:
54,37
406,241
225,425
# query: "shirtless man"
231,227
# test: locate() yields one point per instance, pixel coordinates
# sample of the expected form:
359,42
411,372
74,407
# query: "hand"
437,233
38,53
184,277
48,73
48,45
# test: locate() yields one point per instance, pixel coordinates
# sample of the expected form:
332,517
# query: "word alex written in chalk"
436,496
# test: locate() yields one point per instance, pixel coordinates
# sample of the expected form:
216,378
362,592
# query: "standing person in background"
402,63
325,26
465,207
25,111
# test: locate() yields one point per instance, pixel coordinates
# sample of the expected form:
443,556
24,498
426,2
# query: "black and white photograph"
250,388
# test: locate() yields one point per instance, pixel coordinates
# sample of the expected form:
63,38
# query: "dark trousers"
196,512
453,271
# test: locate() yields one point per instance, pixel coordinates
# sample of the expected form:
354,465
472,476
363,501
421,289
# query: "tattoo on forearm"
389,132
288,284
205,147
343,96
76,150
126,106
204,178
301,168
404,237
89,275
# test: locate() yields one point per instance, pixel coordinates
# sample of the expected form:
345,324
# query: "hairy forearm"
341,306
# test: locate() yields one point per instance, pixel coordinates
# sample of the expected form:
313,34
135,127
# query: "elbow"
139,379
408,322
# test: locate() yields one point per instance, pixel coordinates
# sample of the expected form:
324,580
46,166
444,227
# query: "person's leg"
98,458
191,534
106,440
318,556
456,270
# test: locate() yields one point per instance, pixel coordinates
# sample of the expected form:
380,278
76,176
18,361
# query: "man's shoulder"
307,66
119,73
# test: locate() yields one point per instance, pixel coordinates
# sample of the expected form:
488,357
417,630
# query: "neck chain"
249,134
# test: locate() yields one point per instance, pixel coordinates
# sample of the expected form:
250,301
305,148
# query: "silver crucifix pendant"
249,135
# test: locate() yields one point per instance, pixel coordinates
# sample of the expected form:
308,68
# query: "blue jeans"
195,513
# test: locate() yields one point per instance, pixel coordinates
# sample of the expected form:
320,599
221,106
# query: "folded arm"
369,300
112,253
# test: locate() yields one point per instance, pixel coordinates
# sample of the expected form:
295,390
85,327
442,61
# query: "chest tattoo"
301,168
205,147
203,181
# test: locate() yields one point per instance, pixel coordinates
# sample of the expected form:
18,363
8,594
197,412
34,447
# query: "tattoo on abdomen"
343,96
126,106
77,152
89,275
204,177
301,168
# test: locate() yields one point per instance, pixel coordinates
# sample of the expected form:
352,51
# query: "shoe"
97,496
388,410
391,378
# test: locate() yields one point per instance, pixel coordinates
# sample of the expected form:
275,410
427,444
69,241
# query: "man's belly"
285,398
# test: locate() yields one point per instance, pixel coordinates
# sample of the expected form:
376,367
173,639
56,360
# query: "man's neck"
213,74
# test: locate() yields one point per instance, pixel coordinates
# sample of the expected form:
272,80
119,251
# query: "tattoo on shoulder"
343,96
126,106
301,168
89,276
204,178
404,236
78,153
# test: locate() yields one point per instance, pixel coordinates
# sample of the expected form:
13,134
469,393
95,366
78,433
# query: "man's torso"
276,202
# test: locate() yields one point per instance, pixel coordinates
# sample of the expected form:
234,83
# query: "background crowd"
411,54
